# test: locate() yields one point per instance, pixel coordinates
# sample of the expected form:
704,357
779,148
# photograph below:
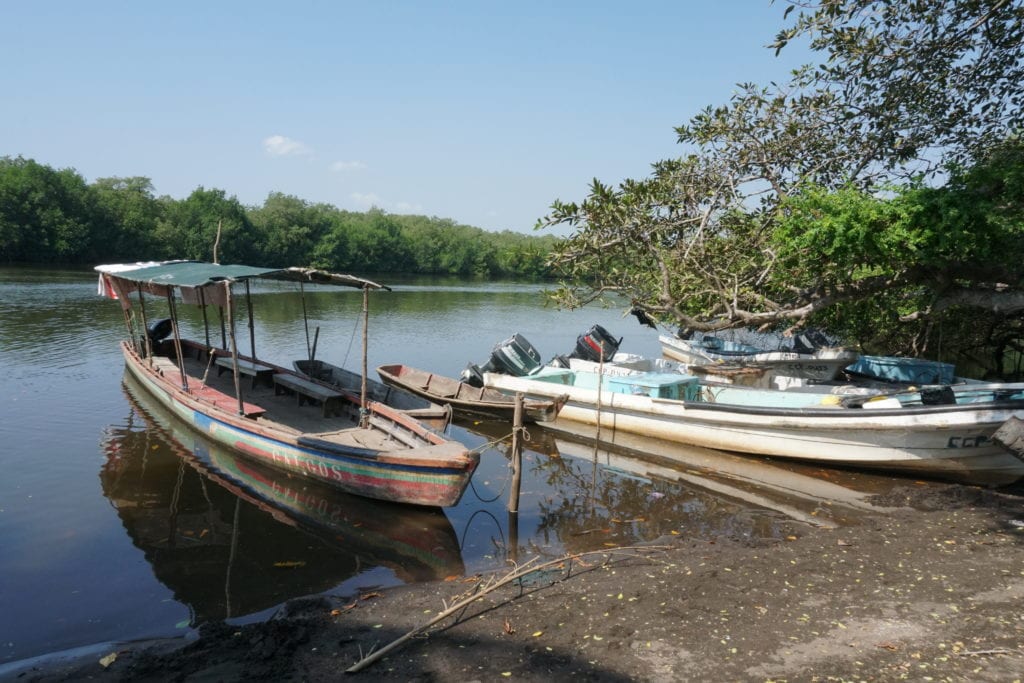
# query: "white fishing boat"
937,431
730,361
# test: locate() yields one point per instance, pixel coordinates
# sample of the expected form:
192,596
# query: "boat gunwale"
538,409
845,413
390,459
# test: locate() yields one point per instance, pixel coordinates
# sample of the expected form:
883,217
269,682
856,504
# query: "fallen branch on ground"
480,590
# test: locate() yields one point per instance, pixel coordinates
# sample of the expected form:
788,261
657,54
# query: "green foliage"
289,228
189,229
877,193
46,216
55,216
926,255
128,215
927,81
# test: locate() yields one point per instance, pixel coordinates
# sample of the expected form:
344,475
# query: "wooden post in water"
517,455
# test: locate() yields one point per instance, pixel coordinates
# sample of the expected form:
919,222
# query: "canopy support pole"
146,345
234,347
252,326
223,332
364,419
177,338
305,321
206,322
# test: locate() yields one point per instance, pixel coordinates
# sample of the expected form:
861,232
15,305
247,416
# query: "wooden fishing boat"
434,415
153,498
942,431
466,398
753,366
278,417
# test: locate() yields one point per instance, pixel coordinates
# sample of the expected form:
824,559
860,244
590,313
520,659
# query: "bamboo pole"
234,347
206,322
364,419
223,331
177,338
252,324
305,320
145,331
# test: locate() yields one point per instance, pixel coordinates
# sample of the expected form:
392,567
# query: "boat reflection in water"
583,491
231,538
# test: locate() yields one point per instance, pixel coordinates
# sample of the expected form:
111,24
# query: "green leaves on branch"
878,191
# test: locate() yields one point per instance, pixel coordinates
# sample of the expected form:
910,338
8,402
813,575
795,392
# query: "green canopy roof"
199,274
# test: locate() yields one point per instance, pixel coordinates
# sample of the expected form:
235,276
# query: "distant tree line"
51,216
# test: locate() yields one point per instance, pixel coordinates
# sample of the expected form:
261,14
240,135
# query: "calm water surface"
116,523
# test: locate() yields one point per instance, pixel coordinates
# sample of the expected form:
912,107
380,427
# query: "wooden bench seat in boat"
307,390
224,401
207,394
249,368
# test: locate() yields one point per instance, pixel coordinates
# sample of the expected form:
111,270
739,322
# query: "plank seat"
257,371
207,393
225,402
307,390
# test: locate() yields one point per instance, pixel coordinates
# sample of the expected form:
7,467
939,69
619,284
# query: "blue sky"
481,112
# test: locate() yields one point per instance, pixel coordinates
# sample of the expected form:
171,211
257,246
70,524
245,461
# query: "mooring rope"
480,449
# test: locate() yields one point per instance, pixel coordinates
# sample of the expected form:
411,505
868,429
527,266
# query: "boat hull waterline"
948,441
400,478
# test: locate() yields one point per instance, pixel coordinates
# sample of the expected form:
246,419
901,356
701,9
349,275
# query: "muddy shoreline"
931,587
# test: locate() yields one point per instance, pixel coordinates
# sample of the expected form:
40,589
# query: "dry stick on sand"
517,573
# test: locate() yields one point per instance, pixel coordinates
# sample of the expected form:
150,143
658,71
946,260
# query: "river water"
111,527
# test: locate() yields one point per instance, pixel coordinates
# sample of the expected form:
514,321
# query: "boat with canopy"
267,412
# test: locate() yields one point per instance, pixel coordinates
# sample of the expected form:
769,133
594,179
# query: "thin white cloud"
342,166
367,199
281,146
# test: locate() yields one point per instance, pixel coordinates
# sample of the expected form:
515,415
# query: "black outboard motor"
515,356
809,341
595,344
155,333
158,330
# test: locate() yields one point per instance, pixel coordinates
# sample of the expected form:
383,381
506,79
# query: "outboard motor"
158,330
809,341
515,356
595,344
